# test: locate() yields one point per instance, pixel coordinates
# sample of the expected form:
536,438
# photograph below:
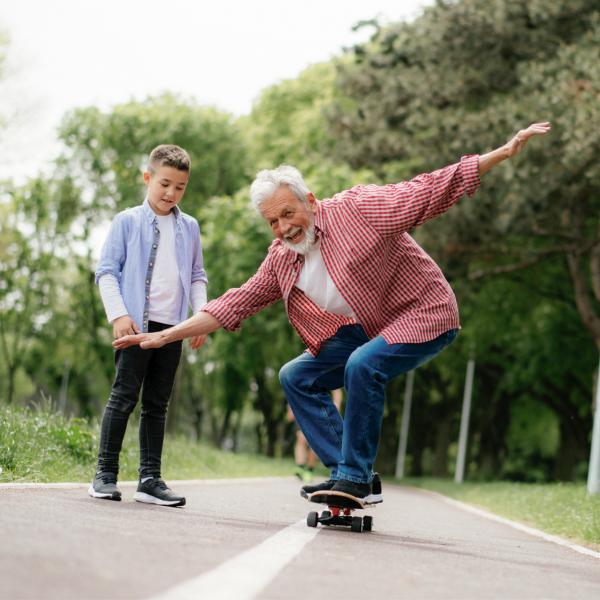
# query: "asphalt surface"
56,542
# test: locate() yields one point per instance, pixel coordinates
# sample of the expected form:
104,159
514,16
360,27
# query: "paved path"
246,539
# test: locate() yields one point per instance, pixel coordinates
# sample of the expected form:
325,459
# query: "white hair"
267,181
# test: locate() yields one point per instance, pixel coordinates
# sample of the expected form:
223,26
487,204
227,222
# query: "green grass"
563,509
38,445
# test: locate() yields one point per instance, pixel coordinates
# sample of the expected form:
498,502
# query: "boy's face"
165,188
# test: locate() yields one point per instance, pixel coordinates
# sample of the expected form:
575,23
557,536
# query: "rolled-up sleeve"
237,304
396,208
114,250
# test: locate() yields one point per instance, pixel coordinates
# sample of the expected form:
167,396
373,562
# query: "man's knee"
287,374
359,366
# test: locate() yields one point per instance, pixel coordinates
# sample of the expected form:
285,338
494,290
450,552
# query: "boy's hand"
145,341
197,341
124,325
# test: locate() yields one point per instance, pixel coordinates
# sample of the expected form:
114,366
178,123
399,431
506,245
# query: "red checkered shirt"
392,285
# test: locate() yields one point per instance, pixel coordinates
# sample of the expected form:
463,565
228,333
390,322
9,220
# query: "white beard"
306,244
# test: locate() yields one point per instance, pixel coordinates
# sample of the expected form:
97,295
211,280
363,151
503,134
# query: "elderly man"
365,298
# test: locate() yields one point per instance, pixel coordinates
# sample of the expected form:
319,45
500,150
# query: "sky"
64,54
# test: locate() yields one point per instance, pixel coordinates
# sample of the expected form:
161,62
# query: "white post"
464,423
408,390
593,482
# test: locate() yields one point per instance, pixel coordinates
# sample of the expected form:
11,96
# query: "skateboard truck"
341,517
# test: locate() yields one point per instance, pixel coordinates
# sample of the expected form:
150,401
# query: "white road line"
245,575
530,530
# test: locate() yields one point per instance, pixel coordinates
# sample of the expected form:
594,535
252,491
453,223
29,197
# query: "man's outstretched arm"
201,323
512,147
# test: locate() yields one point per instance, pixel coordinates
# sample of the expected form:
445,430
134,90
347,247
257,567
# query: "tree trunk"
570,453
442,441
11,374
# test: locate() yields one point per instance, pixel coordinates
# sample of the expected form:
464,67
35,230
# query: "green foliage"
288,125
108,151
40,445
35,220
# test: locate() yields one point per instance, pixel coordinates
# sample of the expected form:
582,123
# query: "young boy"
150,270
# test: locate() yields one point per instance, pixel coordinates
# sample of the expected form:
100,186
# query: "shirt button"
147,281
147,297
154,246
151,264
156,231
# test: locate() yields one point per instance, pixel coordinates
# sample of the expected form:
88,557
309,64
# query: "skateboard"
341,506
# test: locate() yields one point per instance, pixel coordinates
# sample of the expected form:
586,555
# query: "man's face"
165,188
291,220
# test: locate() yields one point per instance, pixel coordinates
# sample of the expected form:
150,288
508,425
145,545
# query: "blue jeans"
363,366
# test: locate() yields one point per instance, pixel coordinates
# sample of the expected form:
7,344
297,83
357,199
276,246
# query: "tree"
34,223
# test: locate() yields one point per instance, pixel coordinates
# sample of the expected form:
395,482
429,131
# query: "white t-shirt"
166,291
315,282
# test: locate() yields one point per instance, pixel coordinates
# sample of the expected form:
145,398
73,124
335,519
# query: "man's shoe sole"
147,499
94,494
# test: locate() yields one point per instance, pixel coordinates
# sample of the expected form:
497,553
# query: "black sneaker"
104,486
155,491
369,493
306,490
352,488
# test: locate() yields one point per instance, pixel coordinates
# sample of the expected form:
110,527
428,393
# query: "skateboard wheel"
356,524
367,523
312,519
325,514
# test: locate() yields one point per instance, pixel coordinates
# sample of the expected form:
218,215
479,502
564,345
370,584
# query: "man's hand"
518,142
512,147
145,341
197,341
124,325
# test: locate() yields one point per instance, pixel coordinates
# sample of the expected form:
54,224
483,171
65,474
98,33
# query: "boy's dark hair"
169,155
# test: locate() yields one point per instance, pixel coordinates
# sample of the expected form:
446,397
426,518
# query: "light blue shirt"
129,254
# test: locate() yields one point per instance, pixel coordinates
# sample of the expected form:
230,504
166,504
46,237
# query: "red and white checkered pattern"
393,286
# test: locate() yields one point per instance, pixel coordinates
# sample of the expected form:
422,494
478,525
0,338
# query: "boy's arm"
115,308
108,274
198,295
198,298
198,272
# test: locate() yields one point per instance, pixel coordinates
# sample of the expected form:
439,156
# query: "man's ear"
147,177
312,201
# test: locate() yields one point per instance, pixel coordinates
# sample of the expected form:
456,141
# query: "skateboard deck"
339,499
341,506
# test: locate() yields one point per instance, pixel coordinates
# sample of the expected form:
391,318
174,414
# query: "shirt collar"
150,215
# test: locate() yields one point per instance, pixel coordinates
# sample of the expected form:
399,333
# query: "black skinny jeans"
155,370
